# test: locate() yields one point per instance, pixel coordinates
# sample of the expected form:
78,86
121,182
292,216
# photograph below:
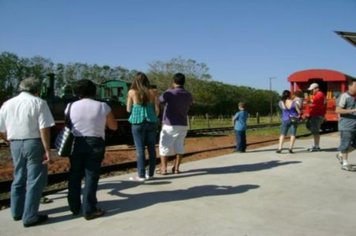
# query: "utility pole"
271,99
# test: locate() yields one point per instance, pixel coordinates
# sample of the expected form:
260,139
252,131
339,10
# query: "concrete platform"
254,193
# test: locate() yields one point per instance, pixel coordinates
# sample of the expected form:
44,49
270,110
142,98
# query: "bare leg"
316,140
176,163
344,157
281,141
292,141
163,168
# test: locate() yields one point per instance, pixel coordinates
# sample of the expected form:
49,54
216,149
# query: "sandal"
160,172
174,171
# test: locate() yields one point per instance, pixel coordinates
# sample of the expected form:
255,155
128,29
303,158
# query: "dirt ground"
121,154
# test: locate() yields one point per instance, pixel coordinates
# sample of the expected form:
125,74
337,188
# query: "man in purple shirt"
177,102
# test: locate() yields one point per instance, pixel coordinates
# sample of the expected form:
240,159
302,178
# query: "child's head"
241,105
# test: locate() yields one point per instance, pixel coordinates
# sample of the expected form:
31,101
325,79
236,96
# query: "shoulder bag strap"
67,121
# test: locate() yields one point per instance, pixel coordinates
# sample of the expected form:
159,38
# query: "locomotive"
332,83
113,92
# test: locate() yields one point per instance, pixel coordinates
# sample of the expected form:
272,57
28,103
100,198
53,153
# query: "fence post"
189,124
257,118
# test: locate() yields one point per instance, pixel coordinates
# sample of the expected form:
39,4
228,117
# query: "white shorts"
171,140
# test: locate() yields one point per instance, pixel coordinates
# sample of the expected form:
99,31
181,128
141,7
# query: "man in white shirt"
25,122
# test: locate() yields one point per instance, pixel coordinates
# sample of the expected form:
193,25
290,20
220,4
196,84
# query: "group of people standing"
26,120
345,107
291,107
143,103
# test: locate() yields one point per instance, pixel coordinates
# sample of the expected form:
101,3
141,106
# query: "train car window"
119,92
107,93
334,90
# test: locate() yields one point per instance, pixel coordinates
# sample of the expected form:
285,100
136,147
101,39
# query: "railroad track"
57,182
222,130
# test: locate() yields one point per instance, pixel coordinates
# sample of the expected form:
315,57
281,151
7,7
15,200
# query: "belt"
24,139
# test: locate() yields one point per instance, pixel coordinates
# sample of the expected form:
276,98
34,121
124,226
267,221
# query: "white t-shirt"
88,117
23,116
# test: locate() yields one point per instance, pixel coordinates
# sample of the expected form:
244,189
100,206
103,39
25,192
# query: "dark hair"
299,93
179,79
85,88
285,95
350,81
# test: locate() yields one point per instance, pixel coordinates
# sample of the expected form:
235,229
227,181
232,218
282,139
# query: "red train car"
332,83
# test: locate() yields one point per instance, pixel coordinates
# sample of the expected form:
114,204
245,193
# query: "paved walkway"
256,193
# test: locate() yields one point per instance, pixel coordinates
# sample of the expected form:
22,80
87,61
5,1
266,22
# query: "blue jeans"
240,140
30,178
85,161
287,125
145,134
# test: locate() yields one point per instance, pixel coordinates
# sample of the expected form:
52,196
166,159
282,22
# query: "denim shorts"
347,140
287,125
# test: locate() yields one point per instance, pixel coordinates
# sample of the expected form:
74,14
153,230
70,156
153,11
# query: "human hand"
46,157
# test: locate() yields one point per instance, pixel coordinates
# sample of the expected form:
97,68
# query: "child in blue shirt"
240,126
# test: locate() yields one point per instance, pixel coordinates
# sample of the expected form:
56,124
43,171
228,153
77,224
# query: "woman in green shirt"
142,103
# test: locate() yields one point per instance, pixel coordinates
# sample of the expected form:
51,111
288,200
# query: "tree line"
210,97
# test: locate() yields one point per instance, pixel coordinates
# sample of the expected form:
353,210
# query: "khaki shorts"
171,140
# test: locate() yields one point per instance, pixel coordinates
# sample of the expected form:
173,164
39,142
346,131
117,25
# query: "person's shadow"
130,202
231,169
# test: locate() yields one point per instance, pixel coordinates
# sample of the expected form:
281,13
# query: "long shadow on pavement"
131,202
231,169
136,201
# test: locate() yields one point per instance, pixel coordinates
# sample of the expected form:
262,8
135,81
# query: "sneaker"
137,179
314,149
347,167
17,218
279,151
147,177
40,220
290,151
97,213
339,158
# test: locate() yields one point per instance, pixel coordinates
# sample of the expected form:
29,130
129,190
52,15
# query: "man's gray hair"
30,84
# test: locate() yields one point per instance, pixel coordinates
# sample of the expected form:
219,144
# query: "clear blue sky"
243,42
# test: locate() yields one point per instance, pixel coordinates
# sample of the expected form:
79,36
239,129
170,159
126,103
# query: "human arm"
341,110
234,118
45,138
156,102
111,122
342,104
3,136
281,105
129,101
